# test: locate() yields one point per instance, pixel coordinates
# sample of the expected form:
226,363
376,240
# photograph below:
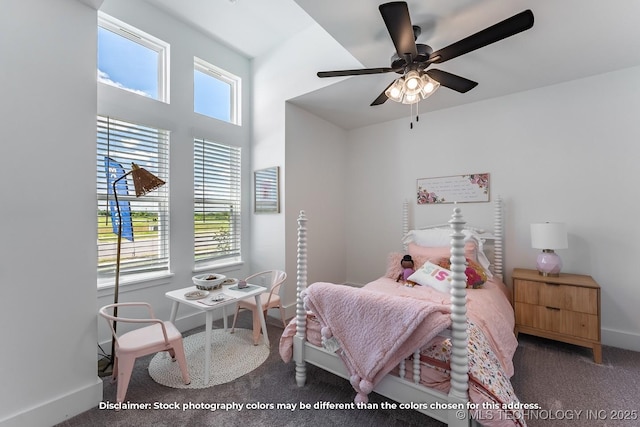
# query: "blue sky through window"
126,64
211,96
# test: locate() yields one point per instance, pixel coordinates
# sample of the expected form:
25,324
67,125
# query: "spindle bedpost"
301,314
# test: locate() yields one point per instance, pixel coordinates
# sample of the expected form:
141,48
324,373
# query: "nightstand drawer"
572,298
548,318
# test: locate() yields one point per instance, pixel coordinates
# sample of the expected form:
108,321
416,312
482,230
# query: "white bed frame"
398,388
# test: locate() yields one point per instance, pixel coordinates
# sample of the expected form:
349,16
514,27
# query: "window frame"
148,41
235,82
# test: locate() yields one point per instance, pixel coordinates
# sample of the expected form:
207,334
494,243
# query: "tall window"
216,202
132,59
216,93
145,219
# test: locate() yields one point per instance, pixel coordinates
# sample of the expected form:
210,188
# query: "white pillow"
432,275
438,237
431,237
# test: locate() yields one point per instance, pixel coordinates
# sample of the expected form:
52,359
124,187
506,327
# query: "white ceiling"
570,39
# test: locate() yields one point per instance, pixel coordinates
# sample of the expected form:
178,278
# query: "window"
131,59
216,93
145,219
216,202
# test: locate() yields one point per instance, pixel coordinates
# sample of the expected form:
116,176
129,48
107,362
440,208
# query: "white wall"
47,224
281,140
561,153
317,165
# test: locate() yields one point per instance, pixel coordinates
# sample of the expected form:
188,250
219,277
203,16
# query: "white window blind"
217,211
145,219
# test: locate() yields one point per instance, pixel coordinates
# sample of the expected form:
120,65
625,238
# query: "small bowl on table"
208,282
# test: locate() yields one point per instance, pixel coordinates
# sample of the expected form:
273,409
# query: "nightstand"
564,308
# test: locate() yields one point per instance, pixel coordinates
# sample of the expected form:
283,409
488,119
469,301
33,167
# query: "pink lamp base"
549,263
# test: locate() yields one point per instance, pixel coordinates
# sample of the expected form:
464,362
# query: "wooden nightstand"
565,308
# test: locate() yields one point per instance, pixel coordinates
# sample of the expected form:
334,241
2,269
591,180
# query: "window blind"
145,219
217,213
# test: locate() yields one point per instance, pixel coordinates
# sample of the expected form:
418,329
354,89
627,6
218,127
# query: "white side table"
232,297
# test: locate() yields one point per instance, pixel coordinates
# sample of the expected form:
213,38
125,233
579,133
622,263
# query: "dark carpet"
562,379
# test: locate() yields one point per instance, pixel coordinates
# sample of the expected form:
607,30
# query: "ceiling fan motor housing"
400,64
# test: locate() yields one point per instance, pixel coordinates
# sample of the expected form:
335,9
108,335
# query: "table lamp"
549,236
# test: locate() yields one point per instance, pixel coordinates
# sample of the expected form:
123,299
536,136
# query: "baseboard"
59,409
620,339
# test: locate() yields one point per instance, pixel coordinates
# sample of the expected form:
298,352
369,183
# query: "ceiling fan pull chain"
411,116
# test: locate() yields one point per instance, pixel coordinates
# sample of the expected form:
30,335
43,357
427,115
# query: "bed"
446,352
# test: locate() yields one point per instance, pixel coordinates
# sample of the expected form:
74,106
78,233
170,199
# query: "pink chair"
159,336
272,280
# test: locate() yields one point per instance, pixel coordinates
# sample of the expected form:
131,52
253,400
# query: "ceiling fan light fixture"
395,92
429,86
412,82
411,98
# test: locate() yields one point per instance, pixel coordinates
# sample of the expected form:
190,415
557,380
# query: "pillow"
431,237
415,250
394,269
441,237
432,275
476,276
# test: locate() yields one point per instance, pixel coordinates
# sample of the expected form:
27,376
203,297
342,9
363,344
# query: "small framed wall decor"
453,189
266,187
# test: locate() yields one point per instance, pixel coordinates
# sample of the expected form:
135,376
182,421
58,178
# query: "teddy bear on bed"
407,270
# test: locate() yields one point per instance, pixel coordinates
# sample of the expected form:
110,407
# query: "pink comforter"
488,307
491,322
354,317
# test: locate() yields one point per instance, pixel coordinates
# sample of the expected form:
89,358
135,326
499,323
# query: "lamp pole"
116,290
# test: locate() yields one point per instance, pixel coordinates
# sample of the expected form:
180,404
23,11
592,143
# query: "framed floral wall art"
453,189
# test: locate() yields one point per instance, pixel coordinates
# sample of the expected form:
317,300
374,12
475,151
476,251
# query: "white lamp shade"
549,235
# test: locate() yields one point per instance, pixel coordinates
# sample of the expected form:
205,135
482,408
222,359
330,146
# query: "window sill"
219,267
133,282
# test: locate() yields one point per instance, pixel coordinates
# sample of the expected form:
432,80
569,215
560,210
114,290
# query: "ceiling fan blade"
396,18
382,97
358,72
457,83
507,28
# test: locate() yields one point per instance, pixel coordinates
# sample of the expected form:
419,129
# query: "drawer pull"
553,308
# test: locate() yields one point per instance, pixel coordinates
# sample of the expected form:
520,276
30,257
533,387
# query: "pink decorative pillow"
470,251
394,269
432,275
476,275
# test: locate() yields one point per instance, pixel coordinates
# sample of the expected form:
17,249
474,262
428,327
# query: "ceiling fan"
412,59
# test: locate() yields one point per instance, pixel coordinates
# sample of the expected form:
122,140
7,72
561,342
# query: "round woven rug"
232,356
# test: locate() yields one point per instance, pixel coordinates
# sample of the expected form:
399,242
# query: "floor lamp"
144,182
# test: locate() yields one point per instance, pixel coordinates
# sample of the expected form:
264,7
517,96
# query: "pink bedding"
488,307
492,344
408,322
